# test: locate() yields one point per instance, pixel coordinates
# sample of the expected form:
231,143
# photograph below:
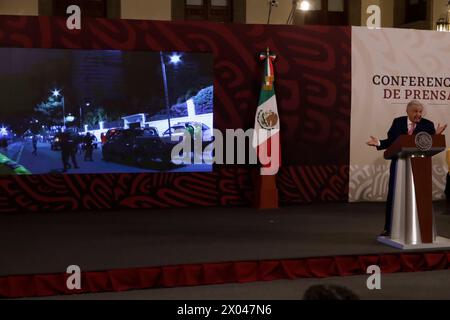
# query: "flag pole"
267,125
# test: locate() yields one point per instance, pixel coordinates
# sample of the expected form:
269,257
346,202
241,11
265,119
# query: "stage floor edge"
440,243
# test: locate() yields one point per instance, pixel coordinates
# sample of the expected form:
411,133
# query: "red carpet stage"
120,251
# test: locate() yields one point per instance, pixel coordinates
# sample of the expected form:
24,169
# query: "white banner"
391,67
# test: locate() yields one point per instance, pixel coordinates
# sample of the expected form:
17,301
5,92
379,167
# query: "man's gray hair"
415,103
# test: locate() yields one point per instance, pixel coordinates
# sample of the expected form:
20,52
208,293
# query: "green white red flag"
266,138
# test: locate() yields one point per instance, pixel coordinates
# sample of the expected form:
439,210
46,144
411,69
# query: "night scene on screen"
103,111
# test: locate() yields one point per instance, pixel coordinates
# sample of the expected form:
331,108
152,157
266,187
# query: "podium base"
440,243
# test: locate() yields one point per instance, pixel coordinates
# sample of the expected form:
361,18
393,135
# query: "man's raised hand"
441,128
373,142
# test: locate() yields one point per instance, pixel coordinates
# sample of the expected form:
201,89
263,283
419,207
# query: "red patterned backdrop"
313,81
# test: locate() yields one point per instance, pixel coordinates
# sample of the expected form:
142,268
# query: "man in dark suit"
411,124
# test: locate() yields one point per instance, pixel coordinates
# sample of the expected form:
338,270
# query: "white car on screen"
178,130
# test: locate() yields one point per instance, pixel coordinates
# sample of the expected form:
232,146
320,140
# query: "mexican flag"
266,138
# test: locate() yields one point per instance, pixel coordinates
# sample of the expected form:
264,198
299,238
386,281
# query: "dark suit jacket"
400,126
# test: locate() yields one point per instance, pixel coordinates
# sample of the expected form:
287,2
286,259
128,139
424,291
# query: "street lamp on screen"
175,59
56,93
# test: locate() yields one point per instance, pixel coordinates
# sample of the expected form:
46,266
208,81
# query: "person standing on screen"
89,147
68,150
412,123
103,138
73,143
65,149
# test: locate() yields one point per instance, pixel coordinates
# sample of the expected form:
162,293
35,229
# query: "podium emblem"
424,141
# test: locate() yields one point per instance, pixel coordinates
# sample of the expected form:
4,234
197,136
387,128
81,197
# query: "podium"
413,223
